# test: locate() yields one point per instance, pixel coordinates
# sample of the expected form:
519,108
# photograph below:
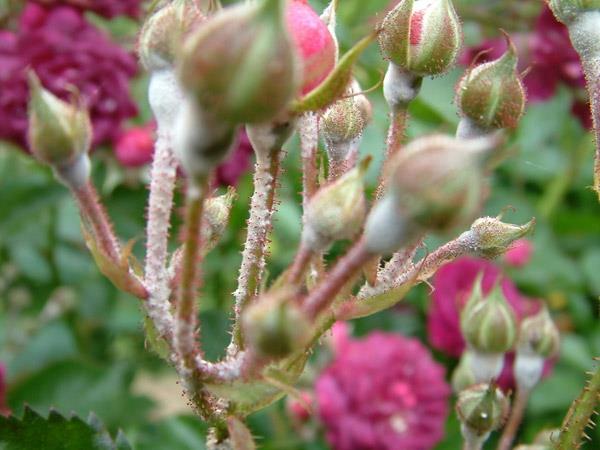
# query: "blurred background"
70,340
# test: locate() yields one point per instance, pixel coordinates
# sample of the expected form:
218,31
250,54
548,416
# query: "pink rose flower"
106,8
4,410
135,146
519,254
64,50
383,392
229,172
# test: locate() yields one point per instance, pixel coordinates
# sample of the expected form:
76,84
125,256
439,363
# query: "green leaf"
56,432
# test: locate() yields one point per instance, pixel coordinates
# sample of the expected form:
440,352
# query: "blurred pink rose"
238,163
135,146
64,50
106,8
383,392
3,406
299,409
519,254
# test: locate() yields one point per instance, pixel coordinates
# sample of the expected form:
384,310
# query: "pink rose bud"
299,408
313,42
519,253
135,146
163,31
422,37
241,65
491,94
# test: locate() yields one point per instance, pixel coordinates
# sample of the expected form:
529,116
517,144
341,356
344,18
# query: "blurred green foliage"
72,342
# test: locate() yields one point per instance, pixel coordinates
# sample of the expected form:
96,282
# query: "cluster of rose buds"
272,66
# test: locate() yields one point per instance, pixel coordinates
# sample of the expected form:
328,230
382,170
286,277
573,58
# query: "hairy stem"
398,122
308,129
93,211
514,421
300,264
259,226
186,343
343,271
160,204
580,413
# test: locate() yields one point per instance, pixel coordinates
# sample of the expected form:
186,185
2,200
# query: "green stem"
580,414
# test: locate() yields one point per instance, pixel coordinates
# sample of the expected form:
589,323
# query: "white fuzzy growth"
486,366
399,87
473,440
585,35
185,333
528,370
385,229
160,204
76,174
165,96
467,129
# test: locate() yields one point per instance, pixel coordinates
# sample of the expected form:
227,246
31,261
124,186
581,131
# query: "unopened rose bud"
492,237
162,33
422,37
343,123
240,65
217,212
488,323
481,409
539,339
200,141
491,94
567,10
313,41
435,184
275,326
59,133
336,211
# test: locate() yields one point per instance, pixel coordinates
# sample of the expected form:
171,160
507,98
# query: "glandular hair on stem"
400,87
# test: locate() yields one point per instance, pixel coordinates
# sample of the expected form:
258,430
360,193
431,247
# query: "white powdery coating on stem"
467,129
473,441
160,203
165,97
308,130
486,366
399,87
528,370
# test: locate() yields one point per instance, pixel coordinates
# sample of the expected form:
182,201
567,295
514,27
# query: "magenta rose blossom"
238,163
383,392
3,406
135,146
106,8
64,50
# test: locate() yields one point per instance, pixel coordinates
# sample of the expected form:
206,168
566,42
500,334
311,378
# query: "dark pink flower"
64,50
519,253
452,285
506,380
299,408
4,410
106,8
135,146
383,392
229,172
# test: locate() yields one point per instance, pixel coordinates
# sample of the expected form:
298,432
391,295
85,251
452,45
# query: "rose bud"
489,327
422,37
135,146
163,31
434,184
539,339
481,409
342,125
492,237
313,41
275,326
216,216
240,65
336,211
567,10
491,95
59,133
